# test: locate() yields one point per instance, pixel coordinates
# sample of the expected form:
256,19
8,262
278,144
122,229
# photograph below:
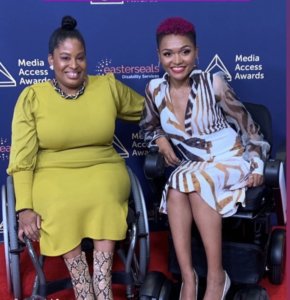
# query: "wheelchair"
252,246
133,252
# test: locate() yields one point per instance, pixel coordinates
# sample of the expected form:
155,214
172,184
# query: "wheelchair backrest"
262,116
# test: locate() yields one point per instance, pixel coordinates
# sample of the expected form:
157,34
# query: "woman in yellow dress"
70,183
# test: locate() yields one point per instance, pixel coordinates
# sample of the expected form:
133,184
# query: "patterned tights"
80,277
102,277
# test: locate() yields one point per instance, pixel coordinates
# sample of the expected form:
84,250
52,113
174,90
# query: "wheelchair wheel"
277,255
11,244
156,286
141,257
251,292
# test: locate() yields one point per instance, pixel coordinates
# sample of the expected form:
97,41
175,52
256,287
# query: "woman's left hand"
255,180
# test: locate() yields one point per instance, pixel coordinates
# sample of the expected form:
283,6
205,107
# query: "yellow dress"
64,165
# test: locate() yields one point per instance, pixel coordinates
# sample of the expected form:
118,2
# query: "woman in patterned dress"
70,182
187,115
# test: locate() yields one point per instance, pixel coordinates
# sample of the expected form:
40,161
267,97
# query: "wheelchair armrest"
154,167
271,172
154,164
281,152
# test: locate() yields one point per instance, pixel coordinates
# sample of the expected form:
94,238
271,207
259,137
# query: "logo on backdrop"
106,2
120,147
138,146
95,2
6,79
32,71
217,64
105,66
247,67
4,149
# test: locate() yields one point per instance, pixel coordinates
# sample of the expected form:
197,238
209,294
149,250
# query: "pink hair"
176,25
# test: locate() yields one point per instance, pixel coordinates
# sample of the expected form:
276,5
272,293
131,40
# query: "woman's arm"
152,131
256,148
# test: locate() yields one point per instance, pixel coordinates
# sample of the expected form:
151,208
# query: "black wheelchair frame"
134,252
251,246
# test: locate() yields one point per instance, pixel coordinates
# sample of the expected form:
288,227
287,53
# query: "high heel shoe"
226,286
196,285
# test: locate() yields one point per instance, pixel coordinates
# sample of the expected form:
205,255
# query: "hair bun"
68,23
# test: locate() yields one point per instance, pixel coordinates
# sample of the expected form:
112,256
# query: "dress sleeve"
24,147
129,103
150,125
256,148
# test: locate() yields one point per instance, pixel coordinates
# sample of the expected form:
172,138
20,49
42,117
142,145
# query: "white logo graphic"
216,62
93,2
106,2
120,147
100,68
6,79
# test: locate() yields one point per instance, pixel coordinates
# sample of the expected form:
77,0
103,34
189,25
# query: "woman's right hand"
167,151
29,223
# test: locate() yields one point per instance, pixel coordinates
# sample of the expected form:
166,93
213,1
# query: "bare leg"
180,220
209,224
77,265
103,261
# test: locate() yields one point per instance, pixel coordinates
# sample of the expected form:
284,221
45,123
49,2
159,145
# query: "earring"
197,61
51,67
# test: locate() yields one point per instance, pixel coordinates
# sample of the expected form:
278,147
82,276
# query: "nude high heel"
226,286
196,286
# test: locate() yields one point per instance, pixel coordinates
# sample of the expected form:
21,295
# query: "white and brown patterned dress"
215,159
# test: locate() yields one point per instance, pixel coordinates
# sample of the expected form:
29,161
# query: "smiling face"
70,65
177,55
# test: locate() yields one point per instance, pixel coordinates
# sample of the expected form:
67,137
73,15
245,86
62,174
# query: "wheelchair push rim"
12,260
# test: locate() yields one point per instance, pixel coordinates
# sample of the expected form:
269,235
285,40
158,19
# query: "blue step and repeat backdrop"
244,38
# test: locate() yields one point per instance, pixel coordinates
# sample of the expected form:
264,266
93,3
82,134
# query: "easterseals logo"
105,66
6,79
4,149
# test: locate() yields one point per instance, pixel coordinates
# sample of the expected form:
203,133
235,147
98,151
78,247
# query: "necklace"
66,96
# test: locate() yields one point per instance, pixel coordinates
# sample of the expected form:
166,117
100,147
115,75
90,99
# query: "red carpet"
159,262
